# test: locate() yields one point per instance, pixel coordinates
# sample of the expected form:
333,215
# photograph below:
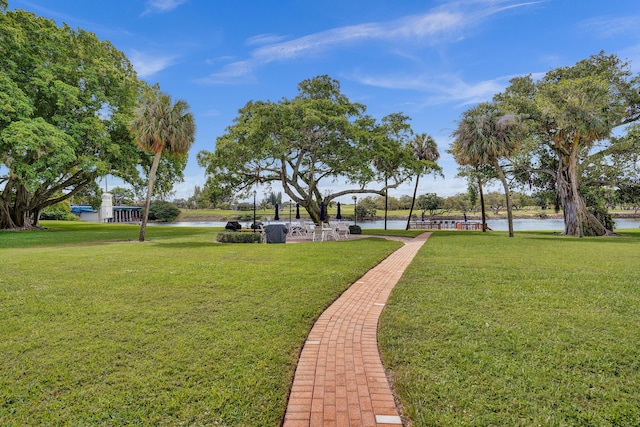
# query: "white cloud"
610,27
147,64
443,89
262,39
444,23
161,6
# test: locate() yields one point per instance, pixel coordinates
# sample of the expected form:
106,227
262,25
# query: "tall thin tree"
425,151
161,126
483,137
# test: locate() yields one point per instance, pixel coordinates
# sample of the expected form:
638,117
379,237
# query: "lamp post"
254,211
355,210
290,204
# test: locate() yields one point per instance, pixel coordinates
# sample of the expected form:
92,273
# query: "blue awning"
81,209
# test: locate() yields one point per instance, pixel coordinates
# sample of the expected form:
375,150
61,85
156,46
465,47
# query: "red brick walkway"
340,380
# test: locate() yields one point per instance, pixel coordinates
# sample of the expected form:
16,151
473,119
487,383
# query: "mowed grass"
540,329
99,329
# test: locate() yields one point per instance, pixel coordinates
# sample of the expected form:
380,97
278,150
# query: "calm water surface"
495,224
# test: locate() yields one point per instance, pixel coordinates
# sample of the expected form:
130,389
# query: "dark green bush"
59,212
235,237
242,206
603,216
163,211
355,229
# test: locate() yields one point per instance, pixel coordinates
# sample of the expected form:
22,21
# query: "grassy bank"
534,330
347,210
98,329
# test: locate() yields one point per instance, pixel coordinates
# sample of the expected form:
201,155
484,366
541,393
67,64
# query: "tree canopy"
66,99
315,138
568,118
486,135
426,154
572,113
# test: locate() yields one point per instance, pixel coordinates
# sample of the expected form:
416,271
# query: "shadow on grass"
621,236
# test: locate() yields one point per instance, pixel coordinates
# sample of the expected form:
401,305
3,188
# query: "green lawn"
535,330
99,329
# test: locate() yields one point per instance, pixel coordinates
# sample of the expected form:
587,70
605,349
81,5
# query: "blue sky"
431,60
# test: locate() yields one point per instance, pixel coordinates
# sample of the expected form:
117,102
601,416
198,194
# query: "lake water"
502,224
494,224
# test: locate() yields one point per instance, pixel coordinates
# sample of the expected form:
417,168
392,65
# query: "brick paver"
340,380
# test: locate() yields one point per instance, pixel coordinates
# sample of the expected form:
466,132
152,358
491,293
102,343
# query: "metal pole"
355,210
254,211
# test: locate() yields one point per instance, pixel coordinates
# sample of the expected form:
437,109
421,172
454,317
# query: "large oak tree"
572,112
66,99
309,141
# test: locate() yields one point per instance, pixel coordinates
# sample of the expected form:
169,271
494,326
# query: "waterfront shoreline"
470,217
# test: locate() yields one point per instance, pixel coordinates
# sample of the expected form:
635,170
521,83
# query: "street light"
254,211
355,210
290,204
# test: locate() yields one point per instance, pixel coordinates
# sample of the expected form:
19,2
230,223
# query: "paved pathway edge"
339,379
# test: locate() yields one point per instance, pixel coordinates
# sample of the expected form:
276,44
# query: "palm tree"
161,126
484,136
425,151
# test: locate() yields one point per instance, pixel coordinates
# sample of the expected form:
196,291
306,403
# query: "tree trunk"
507,195
15,211
484,212
413,201
21,214
6,221
386,200
313,209
35,214
152,178
578,221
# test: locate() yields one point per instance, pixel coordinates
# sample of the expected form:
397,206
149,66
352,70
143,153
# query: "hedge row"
235,237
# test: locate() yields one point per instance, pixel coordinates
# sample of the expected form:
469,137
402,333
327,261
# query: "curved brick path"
340,380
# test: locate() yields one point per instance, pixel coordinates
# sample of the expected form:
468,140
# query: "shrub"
244,206
235,237
603,216
59,212
355,229
163,211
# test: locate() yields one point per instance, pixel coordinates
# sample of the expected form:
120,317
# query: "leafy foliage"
486,135
235,237
61,211
570,115
425,152
303,142
65,100
162,126
121,196
163,211
430,202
